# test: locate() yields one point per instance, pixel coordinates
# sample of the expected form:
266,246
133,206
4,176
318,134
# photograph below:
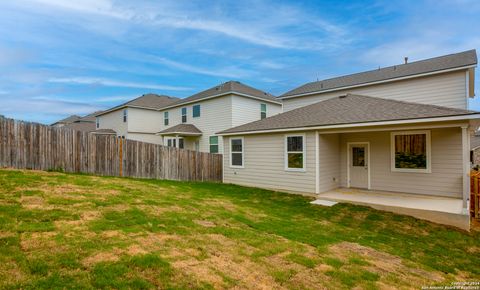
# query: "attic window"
125,115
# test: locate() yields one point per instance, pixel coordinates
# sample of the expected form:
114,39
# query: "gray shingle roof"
150,101
82,126
349,109
67,120
188,129
228,87
414,68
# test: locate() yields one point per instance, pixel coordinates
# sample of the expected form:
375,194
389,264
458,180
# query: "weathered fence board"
475,194
26,145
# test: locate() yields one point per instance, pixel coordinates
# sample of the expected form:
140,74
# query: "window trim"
184,115
210,144
166,118
243,152
125,115
193,111
428,151
261,111
304,152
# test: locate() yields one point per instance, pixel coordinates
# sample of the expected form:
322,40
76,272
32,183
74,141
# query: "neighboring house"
84,124
475,150
137,119
408,132
192,123
66,121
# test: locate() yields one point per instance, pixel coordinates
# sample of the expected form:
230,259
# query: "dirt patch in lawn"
385,264
204,223
38,241
34,202
100,257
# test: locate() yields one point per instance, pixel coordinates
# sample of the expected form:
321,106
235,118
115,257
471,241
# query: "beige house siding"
447,170
114,120
246,110
144,121
448,89
215,116
329,162
145,137
265,164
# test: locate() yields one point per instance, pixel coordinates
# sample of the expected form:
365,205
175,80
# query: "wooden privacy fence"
26,145
475,194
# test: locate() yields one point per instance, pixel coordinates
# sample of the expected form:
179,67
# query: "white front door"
358,165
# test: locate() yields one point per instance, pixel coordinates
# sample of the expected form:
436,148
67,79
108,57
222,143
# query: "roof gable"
349,109
436,64
225,88
146,101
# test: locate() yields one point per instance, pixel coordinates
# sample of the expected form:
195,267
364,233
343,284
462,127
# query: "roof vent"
342,97
406,59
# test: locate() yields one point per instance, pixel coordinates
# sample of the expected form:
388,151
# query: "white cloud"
115,83
262,26
228,72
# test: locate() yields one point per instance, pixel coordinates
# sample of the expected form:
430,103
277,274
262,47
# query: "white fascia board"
377,82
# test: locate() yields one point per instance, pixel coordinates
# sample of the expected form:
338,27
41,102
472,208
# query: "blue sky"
62,57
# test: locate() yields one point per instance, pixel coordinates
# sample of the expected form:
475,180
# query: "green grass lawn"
78,232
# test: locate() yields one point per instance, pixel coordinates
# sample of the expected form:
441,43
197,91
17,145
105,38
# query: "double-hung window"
236,152
213,144
97,121
184,115
263,111
295,152
411,151
196,111
125,115
165,118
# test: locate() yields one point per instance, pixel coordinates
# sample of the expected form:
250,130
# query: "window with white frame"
125,115
97,121
165,118
213,140
411,151
295,152
236,152
196,111
184,115
263,111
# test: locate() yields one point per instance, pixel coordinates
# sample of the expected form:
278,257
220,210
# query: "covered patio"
184,136
443,210
416,169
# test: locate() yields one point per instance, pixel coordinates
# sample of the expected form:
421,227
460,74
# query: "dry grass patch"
38,241
386,265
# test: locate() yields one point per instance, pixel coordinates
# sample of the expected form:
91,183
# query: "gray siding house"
401,132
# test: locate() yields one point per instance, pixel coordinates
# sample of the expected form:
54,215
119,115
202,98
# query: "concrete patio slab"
443,210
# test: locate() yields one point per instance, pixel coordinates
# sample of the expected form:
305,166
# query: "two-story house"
403,129
136,119
192,122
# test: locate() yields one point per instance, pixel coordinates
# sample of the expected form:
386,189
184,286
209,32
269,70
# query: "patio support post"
317,163
466,169
176,141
